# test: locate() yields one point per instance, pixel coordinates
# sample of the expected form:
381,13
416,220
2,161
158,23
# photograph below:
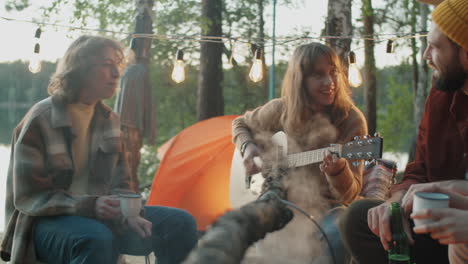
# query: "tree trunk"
261,36
210,93
143,25
414,49
370,81
339,24
232,234
420,93
141,47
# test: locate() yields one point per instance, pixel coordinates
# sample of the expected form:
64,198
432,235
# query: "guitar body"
239,195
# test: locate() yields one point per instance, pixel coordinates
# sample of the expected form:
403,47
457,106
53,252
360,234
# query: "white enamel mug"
428,200
130,204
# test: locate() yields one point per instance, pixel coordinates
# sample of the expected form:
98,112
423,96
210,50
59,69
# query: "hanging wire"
223,39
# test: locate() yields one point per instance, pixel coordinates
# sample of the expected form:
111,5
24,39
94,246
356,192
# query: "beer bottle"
399,252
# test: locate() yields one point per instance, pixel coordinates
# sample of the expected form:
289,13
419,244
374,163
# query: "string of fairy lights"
257,44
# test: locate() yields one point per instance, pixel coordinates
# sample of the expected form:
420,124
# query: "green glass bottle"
399,252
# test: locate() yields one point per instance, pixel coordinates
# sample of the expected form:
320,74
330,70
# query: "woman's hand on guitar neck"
332,165
250,153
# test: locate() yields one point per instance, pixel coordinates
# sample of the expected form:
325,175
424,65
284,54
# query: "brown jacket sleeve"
347,184
263,118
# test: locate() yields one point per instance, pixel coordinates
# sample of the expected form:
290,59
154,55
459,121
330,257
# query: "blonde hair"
76,64
299,107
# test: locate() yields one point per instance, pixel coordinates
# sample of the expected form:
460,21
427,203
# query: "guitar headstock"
366,147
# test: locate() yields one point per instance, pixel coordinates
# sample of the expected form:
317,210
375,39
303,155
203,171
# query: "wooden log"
233,233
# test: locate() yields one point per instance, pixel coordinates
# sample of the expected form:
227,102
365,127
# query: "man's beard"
452,81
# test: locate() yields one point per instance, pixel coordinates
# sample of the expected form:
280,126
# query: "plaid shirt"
41,171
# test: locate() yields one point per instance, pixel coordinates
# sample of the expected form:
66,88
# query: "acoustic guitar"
246,188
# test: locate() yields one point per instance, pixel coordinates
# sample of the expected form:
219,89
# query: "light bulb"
390,46
256,72
240,50
178,74
354,75
35,64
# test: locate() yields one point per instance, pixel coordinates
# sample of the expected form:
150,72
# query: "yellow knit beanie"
451,17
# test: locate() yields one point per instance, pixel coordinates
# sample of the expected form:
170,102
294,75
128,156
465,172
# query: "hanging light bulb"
178,74
256,72
354,75
35,64
239,51
390,46
38,33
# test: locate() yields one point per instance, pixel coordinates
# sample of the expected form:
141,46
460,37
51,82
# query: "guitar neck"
311,157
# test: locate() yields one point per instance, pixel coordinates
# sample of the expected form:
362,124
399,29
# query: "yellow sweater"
80,115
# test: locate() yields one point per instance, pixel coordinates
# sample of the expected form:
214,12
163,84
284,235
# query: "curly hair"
75,65
298,105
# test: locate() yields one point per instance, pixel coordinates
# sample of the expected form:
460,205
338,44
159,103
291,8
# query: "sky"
309,16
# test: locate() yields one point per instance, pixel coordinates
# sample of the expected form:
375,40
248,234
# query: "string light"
239,51
133,44
256,72
38,33
222,39
354,75
178,74
35,64
390,46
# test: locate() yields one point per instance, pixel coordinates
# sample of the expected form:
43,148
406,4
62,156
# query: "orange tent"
195,169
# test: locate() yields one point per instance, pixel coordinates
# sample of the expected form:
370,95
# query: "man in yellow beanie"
441,160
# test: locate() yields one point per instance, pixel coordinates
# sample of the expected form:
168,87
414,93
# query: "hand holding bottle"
378,219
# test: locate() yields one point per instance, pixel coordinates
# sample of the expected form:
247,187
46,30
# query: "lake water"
400,158
4,160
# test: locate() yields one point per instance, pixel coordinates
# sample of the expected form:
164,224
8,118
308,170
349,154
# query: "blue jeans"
77,240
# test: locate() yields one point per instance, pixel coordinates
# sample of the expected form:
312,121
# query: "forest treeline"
176,103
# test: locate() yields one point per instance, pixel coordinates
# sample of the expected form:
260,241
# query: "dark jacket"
442,143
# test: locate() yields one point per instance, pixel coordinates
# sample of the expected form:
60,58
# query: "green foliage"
394,106
16,5
395,111
176,103
19,90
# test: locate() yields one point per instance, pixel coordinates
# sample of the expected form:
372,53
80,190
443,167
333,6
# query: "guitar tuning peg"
376,134
357,138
